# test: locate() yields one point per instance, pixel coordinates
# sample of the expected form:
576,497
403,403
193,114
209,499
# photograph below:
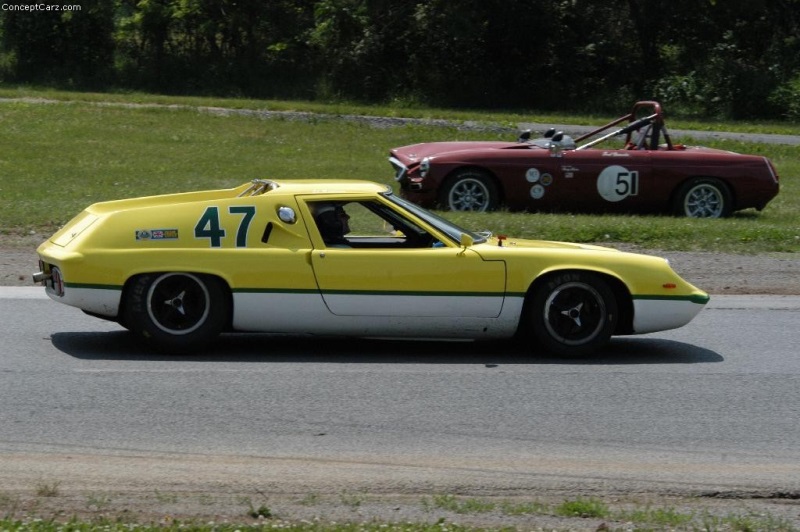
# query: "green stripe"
275,291
92,286
367,292
411,293
700,300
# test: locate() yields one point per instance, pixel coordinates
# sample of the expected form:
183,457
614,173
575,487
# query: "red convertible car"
648,174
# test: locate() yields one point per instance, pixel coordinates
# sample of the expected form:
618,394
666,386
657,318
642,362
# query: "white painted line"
754,302
22,292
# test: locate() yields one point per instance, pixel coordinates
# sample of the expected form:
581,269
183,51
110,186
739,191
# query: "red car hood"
417,152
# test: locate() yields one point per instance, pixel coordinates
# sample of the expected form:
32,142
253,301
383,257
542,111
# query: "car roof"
311,186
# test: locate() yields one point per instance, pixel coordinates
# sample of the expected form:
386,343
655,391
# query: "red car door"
601,181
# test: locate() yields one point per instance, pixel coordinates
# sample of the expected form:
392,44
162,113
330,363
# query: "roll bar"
656,118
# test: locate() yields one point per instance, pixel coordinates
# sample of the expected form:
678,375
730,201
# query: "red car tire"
704,197
469,190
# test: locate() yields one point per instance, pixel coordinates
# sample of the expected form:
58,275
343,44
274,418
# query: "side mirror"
467,240
550,132
555,144
524,136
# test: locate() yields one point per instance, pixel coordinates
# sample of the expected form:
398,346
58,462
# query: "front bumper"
412,186
652,314
400,170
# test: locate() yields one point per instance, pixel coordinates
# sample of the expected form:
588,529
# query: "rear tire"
704,197
572,314
176,312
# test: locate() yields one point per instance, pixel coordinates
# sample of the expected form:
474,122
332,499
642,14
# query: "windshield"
445,226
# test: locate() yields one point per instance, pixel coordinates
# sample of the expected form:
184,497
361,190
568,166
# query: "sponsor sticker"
537,191
532,175
156,234
569,171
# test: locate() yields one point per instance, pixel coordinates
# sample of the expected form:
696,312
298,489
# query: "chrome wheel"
469,190
704,198
703,201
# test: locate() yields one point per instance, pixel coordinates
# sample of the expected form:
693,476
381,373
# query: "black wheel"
704,197
176,312
469,190
573,313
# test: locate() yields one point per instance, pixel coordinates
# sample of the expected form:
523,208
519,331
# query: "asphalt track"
711,406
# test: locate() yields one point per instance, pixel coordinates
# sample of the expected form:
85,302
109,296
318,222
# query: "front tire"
572,314
469,190
176,312
705,197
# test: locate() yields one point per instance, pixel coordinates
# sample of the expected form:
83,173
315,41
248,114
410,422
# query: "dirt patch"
534,510
172,489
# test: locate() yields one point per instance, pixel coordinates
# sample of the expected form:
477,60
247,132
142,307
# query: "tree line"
736,59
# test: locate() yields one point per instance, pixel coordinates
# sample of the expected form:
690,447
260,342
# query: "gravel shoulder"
126,486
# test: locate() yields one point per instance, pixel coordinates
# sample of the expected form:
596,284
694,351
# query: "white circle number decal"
532,175
615,183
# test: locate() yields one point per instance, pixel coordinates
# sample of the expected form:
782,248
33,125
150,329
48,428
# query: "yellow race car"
345,258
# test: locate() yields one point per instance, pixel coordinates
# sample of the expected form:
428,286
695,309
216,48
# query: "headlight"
424,166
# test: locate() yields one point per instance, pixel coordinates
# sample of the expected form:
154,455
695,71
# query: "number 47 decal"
208,226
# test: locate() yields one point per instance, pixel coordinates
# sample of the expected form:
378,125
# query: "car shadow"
122,345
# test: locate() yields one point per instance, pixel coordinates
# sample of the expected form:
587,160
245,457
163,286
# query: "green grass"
645,517
57,158
583,508
444,512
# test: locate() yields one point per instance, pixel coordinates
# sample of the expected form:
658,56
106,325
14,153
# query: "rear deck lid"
75,227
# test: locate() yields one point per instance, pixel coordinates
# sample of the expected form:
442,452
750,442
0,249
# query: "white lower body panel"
651,315
307,313
102,301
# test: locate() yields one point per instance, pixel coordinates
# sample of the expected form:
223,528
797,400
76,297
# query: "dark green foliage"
735,59
76,48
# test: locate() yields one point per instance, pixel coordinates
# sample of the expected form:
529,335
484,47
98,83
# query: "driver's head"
331,220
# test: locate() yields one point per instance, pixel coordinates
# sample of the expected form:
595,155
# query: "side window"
366,224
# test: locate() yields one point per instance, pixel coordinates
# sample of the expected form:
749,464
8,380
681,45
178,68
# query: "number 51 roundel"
615,183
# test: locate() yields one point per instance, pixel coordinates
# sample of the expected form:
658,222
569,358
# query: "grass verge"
59,157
